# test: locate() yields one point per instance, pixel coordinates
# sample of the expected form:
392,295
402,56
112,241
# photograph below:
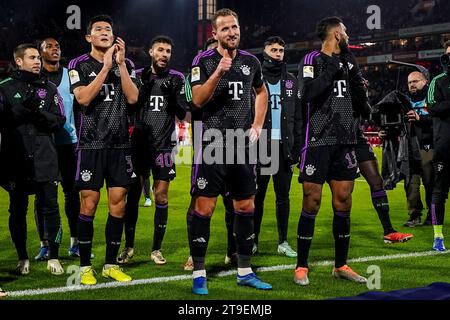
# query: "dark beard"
343,45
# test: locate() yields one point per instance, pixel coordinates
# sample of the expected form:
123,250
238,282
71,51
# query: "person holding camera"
439,108
153,140
421,133
32,113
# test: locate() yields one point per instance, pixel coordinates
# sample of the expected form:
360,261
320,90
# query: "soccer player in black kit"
328,153
222,82
161,99
102,82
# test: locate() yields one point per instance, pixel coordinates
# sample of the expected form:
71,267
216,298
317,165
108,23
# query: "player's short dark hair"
19,51
160,39
324,26
446,44
209,42
40,43
99,18
222,13
274,39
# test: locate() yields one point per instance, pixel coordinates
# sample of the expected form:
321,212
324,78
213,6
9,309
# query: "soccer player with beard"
103,83
161,99
222,82
328,153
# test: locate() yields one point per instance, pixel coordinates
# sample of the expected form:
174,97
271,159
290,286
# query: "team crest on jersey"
74,76
310,169
289,84
42,93
245,70
201,183
195,76
117,72
86,175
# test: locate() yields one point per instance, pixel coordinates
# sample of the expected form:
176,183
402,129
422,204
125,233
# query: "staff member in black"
32,112
281,129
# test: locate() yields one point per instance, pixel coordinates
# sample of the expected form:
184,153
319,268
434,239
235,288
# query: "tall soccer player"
222,82
103,83
328,153
161,99
66,141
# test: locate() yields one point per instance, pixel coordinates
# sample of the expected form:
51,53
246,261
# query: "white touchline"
115,284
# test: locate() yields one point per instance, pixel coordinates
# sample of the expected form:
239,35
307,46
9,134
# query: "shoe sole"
160,263
201,293
301,282
398,241
337,276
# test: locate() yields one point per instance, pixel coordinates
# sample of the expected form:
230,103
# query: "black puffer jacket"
31,111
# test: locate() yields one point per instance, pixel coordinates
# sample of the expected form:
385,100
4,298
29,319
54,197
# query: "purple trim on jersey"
80,130
342,214
131,63
308,215
77,174
61,105
433,214
302,165
73,63
162,206
139,71
197,161
246,53
176,73
310,57
379,194
207,53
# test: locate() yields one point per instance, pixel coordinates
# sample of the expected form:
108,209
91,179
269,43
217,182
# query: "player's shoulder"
203,56
248,56
311,57
74,63
176,74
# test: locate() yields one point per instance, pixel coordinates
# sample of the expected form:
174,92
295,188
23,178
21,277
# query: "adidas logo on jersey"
172,171
201,240
93,74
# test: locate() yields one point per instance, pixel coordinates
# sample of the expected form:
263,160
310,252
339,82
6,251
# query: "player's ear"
88,38
214,34
150,52
19,62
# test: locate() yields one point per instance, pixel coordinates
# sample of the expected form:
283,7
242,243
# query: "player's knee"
245,206
161,197
342,200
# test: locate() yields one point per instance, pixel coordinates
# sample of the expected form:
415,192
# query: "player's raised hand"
108,57
120,51
225,63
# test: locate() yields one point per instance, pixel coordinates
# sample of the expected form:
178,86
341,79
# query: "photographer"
32,112
439,108
421,133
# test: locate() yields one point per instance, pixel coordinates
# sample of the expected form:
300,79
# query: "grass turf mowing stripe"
115,284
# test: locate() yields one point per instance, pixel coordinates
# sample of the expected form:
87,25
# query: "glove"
31,101
167,87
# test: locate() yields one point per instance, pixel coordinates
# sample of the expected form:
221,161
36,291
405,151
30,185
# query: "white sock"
244,271
199,273
107,266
